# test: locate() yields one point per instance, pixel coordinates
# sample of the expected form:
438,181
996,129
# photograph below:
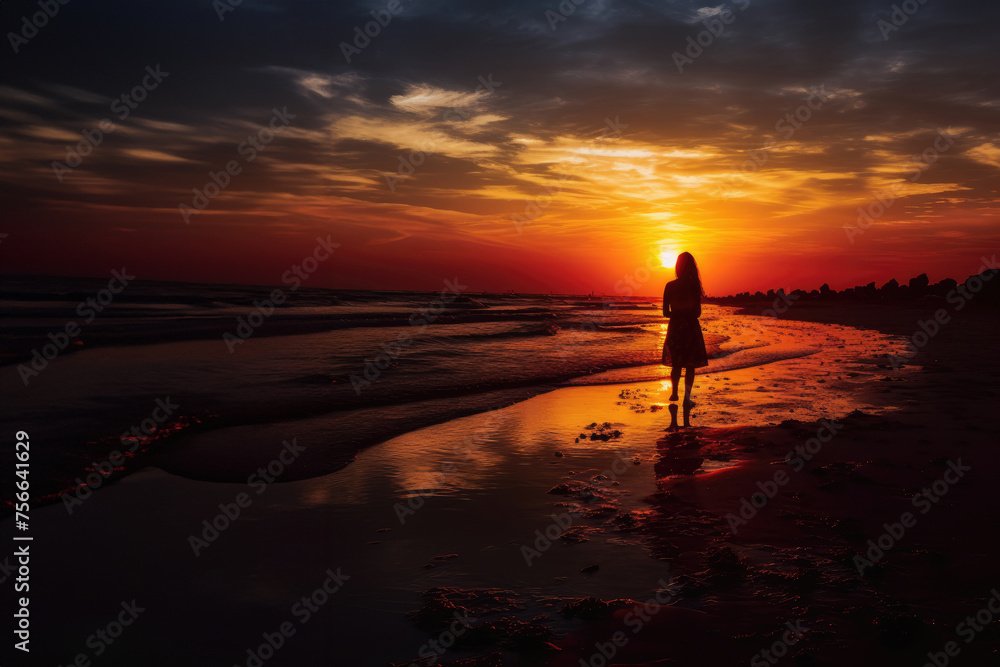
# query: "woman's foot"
688,403
673,396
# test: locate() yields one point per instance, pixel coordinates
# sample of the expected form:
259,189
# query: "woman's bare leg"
675,379
688,383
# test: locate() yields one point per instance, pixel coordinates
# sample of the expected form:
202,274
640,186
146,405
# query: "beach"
527,532
351,334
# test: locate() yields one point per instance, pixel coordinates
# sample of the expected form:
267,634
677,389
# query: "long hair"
687,274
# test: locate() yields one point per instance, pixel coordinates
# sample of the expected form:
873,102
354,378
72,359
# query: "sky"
532,146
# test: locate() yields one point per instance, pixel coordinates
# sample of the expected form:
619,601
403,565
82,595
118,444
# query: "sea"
109,377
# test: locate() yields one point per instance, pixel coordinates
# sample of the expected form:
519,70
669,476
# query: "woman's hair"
687,274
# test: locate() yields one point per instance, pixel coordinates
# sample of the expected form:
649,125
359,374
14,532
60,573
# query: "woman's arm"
666,300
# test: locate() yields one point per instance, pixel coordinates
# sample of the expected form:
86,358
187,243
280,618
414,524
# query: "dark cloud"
544,128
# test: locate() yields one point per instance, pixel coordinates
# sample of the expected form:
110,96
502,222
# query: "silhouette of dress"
685,344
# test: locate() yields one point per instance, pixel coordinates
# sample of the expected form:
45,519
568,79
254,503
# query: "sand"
456,518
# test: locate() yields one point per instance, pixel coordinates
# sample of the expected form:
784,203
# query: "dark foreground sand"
881,549
674,584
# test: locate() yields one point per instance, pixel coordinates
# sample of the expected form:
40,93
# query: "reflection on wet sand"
673,416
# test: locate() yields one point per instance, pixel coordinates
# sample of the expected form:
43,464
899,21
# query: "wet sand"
504,515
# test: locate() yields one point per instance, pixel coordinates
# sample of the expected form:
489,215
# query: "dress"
685,344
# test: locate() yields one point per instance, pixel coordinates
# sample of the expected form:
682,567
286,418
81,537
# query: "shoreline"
169,451
439,518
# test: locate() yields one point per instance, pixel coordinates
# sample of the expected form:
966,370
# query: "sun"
668,258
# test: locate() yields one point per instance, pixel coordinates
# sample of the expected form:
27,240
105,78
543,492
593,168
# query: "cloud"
156,156
987,153
682,160
408,136
424,99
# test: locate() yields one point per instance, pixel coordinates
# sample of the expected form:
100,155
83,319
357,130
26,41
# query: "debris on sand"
575,535
571,488
602,432
593,609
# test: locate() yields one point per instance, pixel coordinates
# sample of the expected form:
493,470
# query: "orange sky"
588,155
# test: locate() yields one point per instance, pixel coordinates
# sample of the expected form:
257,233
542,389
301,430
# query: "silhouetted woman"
685,345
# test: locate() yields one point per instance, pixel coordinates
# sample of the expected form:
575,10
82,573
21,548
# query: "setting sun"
668,258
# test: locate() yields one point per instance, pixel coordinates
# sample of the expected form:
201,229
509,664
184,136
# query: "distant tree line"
980,285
